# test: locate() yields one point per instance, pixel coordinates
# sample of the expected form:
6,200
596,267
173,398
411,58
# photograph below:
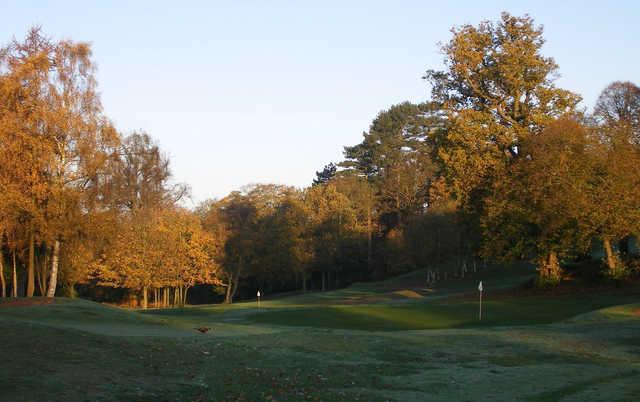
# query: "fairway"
374,341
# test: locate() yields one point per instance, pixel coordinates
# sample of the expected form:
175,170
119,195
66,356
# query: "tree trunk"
227,295
398,213
41,274
32,262
53,279
185,293
235,289
369,240
611,259
2,282
234,280
323,281
549,271
438,257
145,301
14,290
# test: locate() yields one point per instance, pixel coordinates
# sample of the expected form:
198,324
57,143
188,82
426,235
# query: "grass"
374,341
441,314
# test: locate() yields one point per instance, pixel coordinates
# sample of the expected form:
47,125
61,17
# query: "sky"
240,92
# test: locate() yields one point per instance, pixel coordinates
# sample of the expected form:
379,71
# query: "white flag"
480,286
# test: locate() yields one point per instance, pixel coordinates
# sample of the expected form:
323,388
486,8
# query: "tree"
332,219
136,255
187,253
359,190
618,109
284,247
614,211
539,211
56,117
497,90
24,154
233,221
395,155
142,176
326,174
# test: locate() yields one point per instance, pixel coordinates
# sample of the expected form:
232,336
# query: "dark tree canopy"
327,173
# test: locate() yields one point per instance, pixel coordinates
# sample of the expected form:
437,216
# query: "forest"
498,164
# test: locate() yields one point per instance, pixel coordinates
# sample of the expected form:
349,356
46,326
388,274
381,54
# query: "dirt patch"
636,312
411,294
25,302
386,297
366,300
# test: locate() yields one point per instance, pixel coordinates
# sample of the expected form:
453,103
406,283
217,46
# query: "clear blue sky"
269,91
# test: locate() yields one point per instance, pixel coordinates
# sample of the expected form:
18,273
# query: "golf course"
389,340
319,201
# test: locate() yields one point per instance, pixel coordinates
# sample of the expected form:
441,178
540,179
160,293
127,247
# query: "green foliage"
395,156
326,174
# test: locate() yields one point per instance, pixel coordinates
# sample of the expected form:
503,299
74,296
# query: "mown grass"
440,315
316,347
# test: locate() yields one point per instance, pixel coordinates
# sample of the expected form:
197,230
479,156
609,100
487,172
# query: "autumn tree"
538,214
188,254
332,218
497,90
360,191
54,116
614,212
618,110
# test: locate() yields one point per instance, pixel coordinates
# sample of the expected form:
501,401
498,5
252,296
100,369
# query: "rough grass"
322,347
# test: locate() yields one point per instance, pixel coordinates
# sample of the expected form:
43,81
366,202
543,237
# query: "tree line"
498,165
